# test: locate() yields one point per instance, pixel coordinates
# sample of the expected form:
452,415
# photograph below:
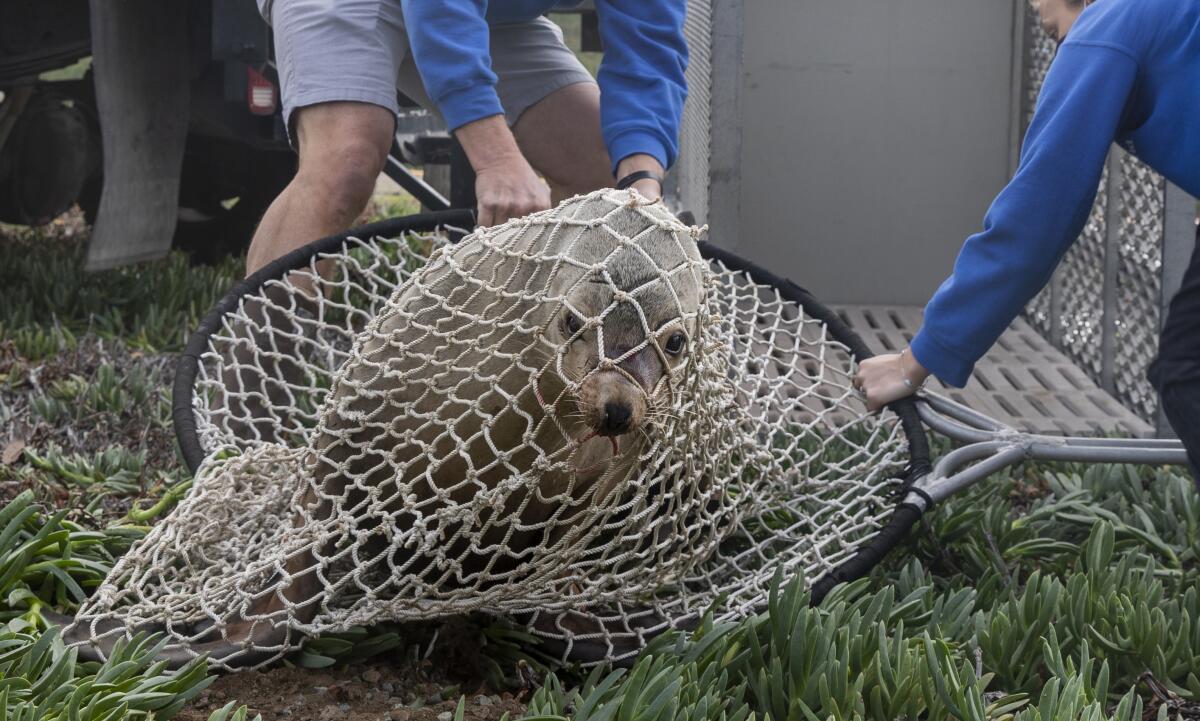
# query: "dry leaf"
12,451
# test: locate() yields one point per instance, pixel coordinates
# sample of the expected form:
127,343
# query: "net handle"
183,391
993,446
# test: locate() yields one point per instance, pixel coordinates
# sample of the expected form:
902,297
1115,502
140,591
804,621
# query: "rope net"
572,420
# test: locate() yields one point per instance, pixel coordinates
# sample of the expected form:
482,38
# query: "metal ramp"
1023,382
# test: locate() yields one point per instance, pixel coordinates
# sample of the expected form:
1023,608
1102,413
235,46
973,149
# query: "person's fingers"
502,214
486,216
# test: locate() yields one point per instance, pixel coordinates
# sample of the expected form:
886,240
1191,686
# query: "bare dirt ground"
371,692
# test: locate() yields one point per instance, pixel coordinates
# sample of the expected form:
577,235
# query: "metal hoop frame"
188,367
991,445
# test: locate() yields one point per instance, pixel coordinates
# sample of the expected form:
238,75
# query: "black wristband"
637,175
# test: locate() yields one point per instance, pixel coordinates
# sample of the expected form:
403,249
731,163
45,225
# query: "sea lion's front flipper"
91,648
236,644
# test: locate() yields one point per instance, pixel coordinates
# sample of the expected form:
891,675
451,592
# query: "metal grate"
691,173
1103,308
1138,284
1023,381
1080,294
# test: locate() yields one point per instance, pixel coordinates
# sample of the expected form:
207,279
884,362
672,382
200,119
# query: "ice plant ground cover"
1053,592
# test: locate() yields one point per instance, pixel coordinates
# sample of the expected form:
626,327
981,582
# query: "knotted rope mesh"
573,420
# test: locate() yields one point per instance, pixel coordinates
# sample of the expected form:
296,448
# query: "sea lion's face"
625,331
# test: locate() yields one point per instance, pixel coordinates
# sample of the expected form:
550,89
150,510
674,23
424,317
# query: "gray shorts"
358,50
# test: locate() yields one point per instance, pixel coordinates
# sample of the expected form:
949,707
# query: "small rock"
329,712
483,700
344,706
445,716
320,689
285,712
371,676
347,692
399,714
388,687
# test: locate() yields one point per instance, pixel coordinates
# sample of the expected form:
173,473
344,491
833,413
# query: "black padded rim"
906,514
901,521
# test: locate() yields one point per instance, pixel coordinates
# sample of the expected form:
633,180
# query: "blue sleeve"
642,85
450,46
1036,217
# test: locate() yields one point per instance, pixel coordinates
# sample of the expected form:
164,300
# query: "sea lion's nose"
617,417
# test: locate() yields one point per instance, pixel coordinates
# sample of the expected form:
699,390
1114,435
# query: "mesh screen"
426,429
1139,284
1039,53
695,136
1070,312
1080,279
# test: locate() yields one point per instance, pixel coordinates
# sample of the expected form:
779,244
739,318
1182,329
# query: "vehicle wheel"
46,160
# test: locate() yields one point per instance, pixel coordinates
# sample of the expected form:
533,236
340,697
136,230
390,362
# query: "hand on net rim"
890,377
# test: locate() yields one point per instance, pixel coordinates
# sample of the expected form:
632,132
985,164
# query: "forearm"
505,184
1035,218
488,143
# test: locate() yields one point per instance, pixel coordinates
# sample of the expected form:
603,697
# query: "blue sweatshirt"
641,76
1128,71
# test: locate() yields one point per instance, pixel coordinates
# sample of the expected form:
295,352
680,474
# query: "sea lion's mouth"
611,405
603,462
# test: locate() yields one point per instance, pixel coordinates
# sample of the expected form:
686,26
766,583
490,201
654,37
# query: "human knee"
341,175
343,148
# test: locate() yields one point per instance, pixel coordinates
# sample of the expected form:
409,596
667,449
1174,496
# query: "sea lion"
491,411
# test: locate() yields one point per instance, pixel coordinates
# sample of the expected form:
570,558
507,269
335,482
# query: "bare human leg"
560,137
343,147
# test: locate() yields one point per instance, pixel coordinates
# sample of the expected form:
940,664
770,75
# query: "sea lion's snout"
611,404
617,419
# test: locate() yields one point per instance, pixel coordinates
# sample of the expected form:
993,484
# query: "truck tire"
46,160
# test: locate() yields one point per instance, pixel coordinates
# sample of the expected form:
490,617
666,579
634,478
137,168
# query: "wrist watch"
637,175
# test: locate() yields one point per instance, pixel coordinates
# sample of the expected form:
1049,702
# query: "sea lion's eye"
675,343
571,323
